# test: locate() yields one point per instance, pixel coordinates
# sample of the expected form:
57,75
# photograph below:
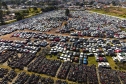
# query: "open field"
91,60
115,11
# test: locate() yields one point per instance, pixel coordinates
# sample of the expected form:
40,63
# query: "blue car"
85,59
85,62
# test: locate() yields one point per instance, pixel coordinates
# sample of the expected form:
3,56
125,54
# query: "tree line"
3,5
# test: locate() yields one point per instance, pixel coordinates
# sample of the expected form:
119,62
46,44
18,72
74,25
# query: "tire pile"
108,76
9,77
83,74
4,57
78,73
64,70
24,78
61,82
92,75
122,75
3,72
21,62
45,66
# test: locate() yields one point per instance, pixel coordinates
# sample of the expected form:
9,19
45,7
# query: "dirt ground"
7,37
116,11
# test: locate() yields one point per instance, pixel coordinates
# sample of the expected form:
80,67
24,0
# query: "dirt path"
97,72
58,70
14,79
120,79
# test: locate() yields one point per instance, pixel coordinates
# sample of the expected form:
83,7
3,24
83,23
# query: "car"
76,59
85,62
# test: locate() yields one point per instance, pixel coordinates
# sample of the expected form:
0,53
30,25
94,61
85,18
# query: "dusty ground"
116,11
7,37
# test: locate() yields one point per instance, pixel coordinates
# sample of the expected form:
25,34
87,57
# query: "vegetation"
3,5
115,11
122,28
114,3
1,17
50,8
91,3
122,66
19,16
30,12
67,12
65,25
111,62
91,60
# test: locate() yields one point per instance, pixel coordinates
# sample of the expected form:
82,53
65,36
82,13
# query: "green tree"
81,4
77,3
113,3
91,3
1,17
50,8
19,16
34,8
4,5
65,24
8,12
67,12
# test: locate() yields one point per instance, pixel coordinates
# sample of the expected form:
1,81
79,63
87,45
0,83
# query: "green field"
115,11
91,60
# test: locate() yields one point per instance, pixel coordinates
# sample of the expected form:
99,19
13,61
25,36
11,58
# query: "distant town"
10,7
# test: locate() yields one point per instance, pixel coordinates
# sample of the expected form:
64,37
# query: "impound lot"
81,51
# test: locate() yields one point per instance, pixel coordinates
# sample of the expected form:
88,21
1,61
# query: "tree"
113,3
8,12
34,8
19,16
50,8
77,3
67,12
81,4
4,5
65,25
91,3
1,17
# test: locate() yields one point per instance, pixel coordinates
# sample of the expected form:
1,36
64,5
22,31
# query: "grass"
53,57
115,11
111,62
123,29
11,21
91,60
